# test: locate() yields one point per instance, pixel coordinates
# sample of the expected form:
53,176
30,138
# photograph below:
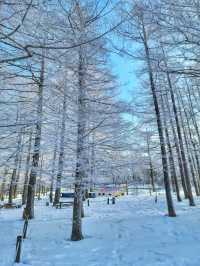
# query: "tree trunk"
193,117
171,210
181,170
62,149
19,167
3,184
39,181
25,187
29,209
180,139
53,172
151,166
192,142
14,172
77,214
171,156
187,148
81,161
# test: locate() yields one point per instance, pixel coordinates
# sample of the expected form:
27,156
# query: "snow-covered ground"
133,232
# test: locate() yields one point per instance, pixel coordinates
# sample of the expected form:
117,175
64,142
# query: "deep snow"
133,232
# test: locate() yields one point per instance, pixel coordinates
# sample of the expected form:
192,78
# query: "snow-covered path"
134,232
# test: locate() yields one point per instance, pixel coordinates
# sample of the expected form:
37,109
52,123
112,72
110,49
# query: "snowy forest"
99,132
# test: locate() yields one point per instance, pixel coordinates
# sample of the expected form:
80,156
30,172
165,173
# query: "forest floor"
133,232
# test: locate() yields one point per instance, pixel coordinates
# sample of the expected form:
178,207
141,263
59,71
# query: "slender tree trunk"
4,184
185,166
195,169
14,172
25,187
39,181
62,149
53,172
196,127
150,166
193,117
92,168
196,157
29,209
171,156
170,205
190,163
192,142
80,154
181,170
188,150
19,168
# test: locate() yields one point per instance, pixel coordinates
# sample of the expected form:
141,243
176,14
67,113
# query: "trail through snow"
133,232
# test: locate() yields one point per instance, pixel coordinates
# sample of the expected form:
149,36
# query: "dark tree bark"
53,172
180,139
170,205
187,147
171,156
77,214
26,177
178,152
29,209
81,161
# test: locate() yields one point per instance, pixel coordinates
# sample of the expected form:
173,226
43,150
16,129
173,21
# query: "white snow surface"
133,232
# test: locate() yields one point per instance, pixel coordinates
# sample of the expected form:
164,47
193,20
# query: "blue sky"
125,69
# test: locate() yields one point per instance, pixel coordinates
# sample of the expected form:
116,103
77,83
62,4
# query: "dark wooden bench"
64,204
